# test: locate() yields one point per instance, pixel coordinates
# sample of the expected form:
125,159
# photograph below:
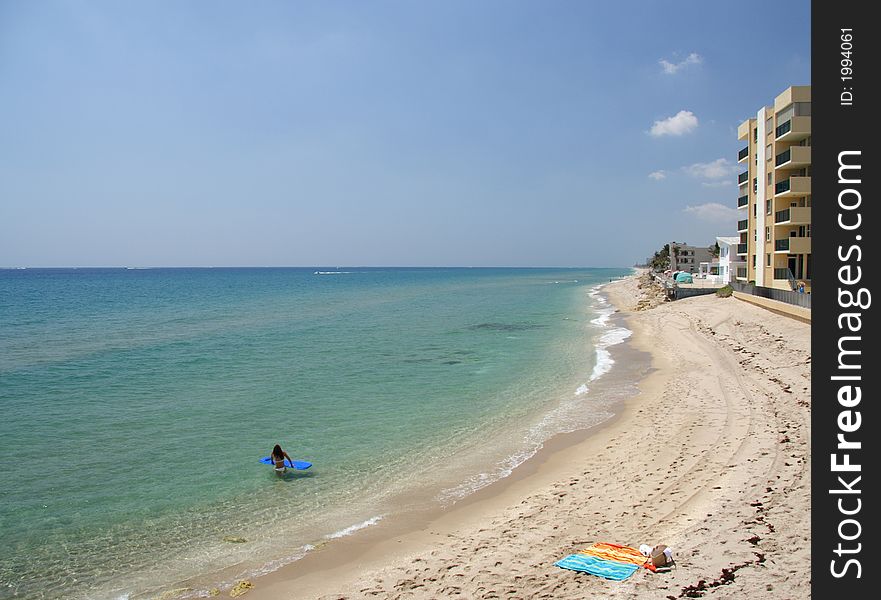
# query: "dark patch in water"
506,326
452,362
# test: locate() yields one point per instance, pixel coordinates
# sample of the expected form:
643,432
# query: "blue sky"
378,133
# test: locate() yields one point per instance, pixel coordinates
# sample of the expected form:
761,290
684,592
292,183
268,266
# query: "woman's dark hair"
277,451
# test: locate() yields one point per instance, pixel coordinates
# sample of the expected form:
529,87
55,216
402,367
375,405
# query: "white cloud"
673,68
718,169
679,124
713,212
718,184
658,175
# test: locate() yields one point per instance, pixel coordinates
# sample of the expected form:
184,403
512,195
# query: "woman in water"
278,457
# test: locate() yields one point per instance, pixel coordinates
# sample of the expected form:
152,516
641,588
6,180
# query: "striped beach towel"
601,567
624,554
611,561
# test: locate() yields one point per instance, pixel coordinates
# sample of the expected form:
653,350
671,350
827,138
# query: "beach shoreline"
711,457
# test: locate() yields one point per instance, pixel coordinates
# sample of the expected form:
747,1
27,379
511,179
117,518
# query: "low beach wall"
787,296
687,292
789,310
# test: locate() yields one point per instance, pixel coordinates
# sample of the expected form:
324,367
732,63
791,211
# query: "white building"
723,269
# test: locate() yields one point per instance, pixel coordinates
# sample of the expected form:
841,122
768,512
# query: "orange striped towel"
624,554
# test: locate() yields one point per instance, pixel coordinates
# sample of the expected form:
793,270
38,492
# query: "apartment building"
688,258
774,198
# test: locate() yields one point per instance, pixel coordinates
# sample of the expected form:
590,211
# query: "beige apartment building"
774,197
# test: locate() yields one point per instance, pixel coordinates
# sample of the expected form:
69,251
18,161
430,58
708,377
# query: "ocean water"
136,405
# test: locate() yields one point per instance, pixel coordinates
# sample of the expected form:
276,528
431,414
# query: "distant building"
774,200
688,258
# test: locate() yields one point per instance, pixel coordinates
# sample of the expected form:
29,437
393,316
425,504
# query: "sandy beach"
711,457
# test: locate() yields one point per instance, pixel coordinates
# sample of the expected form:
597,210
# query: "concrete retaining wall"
681,292
789,310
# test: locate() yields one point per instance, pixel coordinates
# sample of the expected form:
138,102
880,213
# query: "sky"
374,133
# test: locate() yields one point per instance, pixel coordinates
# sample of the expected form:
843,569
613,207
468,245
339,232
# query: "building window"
784,115
767,234
769,179
768,206
768,261
754,261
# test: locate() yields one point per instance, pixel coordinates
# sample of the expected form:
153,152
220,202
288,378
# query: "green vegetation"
661,260
724,292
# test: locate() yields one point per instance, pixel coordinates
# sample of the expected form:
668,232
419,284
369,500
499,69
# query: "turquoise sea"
136,404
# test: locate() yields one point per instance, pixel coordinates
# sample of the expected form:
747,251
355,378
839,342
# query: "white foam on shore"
569,416
613,336
357,527
603,318
604,358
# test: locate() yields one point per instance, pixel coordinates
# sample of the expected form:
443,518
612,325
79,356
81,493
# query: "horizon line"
135,268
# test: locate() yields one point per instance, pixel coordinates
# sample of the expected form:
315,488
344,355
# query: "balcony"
742,225
741,249
793,130
793,245
794,186
743,177
742,201
795,215
793,158
783,273
743,154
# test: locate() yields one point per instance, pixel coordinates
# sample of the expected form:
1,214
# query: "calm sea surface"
136,405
